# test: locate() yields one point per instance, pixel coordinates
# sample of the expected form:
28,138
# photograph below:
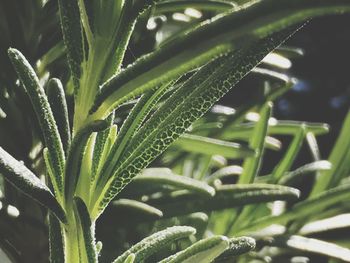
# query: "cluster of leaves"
89,163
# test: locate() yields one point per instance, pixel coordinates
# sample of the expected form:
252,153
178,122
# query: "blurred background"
322,93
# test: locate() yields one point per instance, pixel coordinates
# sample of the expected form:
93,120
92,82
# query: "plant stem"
75,251
71,239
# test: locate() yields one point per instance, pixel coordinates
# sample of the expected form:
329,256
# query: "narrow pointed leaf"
204,5
311,245
203,251
238,246
76,154
72,36
210,146
276,128
43,112
131,125
298,174
186,105
57,100
208,40
101,148
130,258
251,165
155,243
232,170
24,180
309,207
341,221
164,176
182,202
132,206
340,158
286,163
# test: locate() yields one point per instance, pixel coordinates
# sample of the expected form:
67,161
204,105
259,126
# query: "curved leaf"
72,36
183,202
312,245
75,156
147,210
57,100
210,146
251,165
203,251
43,112
24,180
156,242
164,176
238,246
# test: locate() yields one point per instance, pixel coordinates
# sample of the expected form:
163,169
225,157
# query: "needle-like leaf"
312,245
185,106
203,251
44,114
237,247
156,242
251,165
72,36
23,179
210,146
183,202
208,40
57,100
164,176
76,154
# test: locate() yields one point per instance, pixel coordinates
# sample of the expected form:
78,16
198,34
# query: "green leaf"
186,105
210,146
227,196
204,5
88,241
208,40
101,148
130,259
122,34
224,172
86,15
155,243
75,156
203,251
24,180
55,240
130,127
340,159
340,221
286,163
57,100
251,165
303,244
309,207
43,112
275,128
132,206
50,172
238,246
164,176
298,174
72,36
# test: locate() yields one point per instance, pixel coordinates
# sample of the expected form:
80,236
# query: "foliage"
92,124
